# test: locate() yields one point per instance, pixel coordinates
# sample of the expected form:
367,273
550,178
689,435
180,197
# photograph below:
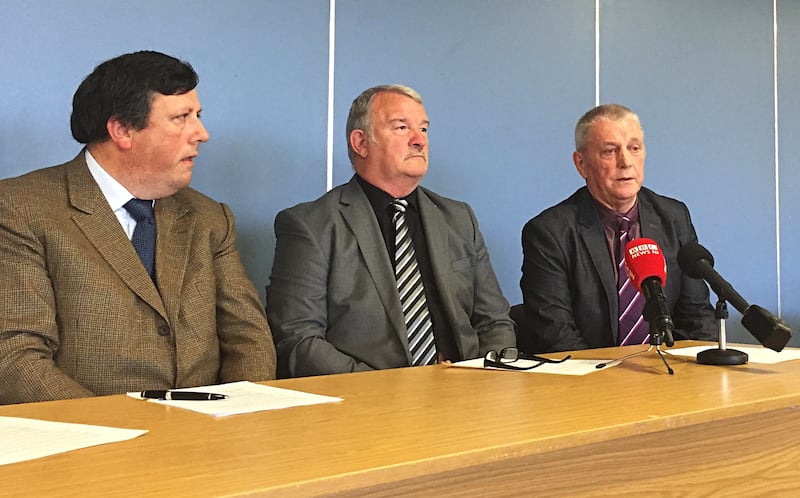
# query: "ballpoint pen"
181,395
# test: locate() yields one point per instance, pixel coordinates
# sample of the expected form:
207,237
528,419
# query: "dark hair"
123,87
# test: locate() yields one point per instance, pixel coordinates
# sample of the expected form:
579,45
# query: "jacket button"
163,330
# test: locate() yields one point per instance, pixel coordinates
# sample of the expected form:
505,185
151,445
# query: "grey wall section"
700,76
263,69
503,82
789,135
500,134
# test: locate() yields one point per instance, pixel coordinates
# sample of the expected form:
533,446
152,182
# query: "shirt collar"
380,199
610,217
114,192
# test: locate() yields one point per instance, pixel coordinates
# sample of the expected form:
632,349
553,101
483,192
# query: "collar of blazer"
102,229
595,242
360,218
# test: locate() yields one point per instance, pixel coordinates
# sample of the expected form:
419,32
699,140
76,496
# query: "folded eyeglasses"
507,356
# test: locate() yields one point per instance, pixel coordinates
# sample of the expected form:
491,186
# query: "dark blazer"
333,301
81,316
568,283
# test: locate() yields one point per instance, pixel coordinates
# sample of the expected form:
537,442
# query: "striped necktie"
632,327
412,293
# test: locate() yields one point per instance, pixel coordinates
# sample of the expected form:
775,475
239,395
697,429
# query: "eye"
424,129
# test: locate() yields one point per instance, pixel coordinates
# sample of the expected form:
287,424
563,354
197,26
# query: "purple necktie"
632,327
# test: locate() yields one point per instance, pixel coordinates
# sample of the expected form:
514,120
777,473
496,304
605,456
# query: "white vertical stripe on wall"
777,148
596,52
331,54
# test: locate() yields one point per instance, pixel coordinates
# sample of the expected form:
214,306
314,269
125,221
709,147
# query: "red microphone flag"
643,259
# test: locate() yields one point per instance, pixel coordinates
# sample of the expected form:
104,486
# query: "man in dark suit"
81,313
571,283
334,298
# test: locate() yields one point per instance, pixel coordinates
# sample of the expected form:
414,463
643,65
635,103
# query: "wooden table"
452,432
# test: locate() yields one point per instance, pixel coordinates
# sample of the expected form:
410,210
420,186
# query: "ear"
359,141
119,133
577,158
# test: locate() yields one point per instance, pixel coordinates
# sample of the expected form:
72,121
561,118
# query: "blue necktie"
144,235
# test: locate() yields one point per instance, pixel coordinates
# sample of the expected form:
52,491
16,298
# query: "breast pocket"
463,264
462,282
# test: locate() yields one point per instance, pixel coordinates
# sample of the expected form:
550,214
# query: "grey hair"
611,112
360,117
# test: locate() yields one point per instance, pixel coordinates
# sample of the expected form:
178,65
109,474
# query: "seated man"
575,289
116,276
379,272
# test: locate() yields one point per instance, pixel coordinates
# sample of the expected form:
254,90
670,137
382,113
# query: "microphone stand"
656,339
722,355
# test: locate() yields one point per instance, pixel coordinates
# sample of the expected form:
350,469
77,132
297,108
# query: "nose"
625,158
201,133
419,140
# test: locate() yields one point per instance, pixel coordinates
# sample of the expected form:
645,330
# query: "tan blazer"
79,315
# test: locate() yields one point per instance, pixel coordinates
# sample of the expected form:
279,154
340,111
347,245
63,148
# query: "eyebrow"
406,120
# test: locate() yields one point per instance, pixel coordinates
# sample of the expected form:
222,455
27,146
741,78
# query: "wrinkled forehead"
622,129
392,104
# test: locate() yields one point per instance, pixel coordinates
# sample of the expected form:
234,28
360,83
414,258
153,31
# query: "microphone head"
770,330
643,260
690,255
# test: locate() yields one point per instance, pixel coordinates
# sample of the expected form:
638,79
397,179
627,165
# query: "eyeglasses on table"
507,356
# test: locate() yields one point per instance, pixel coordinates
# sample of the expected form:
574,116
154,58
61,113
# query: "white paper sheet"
243,397
755,354
569,367
24,439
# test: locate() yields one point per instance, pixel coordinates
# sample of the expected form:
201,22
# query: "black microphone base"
721,357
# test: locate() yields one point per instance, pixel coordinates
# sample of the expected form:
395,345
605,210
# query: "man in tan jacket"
84,310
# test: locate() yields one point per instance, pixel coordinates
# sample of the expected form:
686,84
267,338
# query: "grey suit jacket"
333,301
81,316
568,283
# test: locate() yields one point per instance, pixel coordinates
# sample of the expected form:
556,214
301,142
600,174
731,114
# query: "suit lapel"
102,229
357,213
591,231
649,221
174,226
437,237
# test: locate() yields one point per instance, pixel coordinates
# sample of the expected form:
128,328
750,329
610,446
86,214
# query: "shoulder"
438,211
661,203
445,204
44,178
196,201
42,193
208,213
564,214
323,207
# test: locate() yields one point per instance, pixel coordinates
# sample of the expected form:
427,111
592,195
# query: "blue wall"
503,82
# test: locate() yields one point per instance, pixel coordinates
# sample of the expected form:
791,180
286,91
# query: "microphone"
647,270
771,331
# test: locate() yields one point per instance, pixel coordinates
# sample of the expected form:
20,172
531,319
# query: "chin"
417,172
